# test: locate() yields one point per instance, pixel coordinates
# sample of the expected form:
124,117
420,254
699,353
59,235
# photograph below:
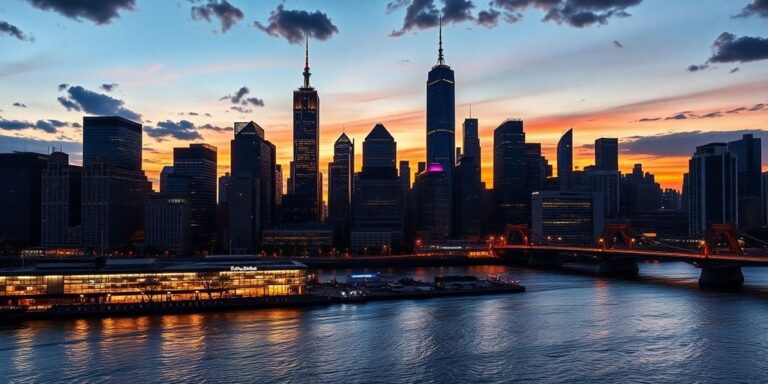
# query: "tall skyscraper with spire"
441,116
305,173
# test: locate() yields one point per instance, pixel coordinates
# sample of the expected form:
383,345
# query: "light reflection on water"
565,328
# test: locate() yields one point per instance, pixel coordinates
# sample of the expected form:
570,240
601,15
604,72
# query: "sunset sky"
663,76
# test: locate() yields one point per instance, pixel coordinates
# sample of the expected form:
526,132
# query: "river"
565,328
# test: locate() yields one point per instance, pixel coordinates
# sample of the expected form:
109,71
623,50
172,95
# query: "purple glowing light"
435,167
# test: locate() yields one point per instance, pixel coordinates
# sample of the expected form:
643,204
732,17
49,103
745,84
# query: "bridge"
719,251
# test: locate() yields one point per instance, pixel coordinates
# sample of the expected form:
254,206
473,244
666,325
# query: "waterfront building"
748,153
340,187
564,217
469,186
20,198
565,159
251,197
196,167
378,211
713,187
441,119
640,192
168,225
298,240
607,154
607,182
432,202
510,174
114,188
61,202
305,183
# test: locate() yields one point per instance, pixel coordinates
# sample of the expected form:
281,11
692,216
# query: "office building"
225,182
20,198
194,169
432,202
713,188
640,192
61,203
563,217
748,153
469,186
565,159
607,154
340,183
168,225
510,174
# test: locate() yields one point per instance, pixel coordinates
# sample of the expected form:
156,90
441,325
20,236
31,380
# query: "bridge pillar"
622,267
546,261
727,278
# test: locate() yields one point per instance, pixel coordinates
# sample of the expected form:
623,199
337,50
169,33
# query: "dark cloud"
456,11
214,128
20,105
712,115
489,18
420,14
98,11
295,25
728,48
576,13
678,116
686,115
227,13
756,7
109,87
182,130
12,30
696,68
680,143
239,98
63,86
617,44
737,110
647,119
395,5
757,107
49,126
81,99
241,109
76,125
193,114
208,115
735,70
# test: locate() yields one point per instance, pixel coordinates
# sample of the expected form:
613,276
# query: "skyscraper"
225,181
114,186
405,176
607,154
748,153
20,198
565,159
469,186
305,172
432,202
441,116
168,225
251,196
340,174
197,166
510,174
712,182
61,201
377,214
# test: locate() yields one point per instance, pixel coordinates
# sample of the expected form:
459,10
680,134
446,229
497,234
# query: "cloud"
757,7
680,143
617,44
208,115
182,130
576,13
49,126
227,13
395,5
100,11
63,86
647,119
728,48
295,25
20,105
456,11
420,14
685,115
737,110
241,109
757,107
735,70
109,87
12,30
214,128
239,98
489,18
696,68
81,99
193,114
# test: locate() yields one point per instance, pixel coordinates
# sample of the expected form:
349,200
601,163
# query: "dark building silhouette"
20,198
405,176
538,167
441,118
305,183
251,195
510,174
565,160
194,169
340,186
670,199
432,204
61,202
713,188
566,217
607,183
607,154
748,153
114,188
640,192
378,212
469,185
225,182
168,225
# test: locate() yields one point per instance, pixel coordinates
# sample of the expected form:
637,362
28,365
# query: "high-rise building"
405,176
565,159
469,186
432,203
538,167
566,217
510,174
441,118
748,153
607,182
640,192
20,198
278,213
114,188
196,167
168,225
340,183
305,172
225,181
61,201
670,199
764,185
713,188
377,213
251,196
607,154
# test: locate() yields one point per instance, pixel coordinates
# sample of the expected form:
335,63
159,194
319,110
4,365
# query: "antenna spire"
470,111
440,58
306,62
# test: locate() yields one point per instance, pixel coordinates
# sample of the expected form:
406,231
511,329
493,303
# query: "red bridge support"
716,276
613,232
517,229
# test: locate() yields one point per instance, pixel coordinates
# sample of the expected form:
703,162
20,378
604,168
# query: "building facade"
340,187
563,217
565,160
510,174
713,187
61,201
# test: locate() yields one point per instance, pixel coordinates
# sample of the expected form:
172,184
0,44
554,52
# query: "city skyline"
677,100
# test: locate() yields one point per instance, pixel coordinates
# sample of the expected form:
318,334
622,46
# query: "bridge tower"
617,265
614,232
521,230
718,274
